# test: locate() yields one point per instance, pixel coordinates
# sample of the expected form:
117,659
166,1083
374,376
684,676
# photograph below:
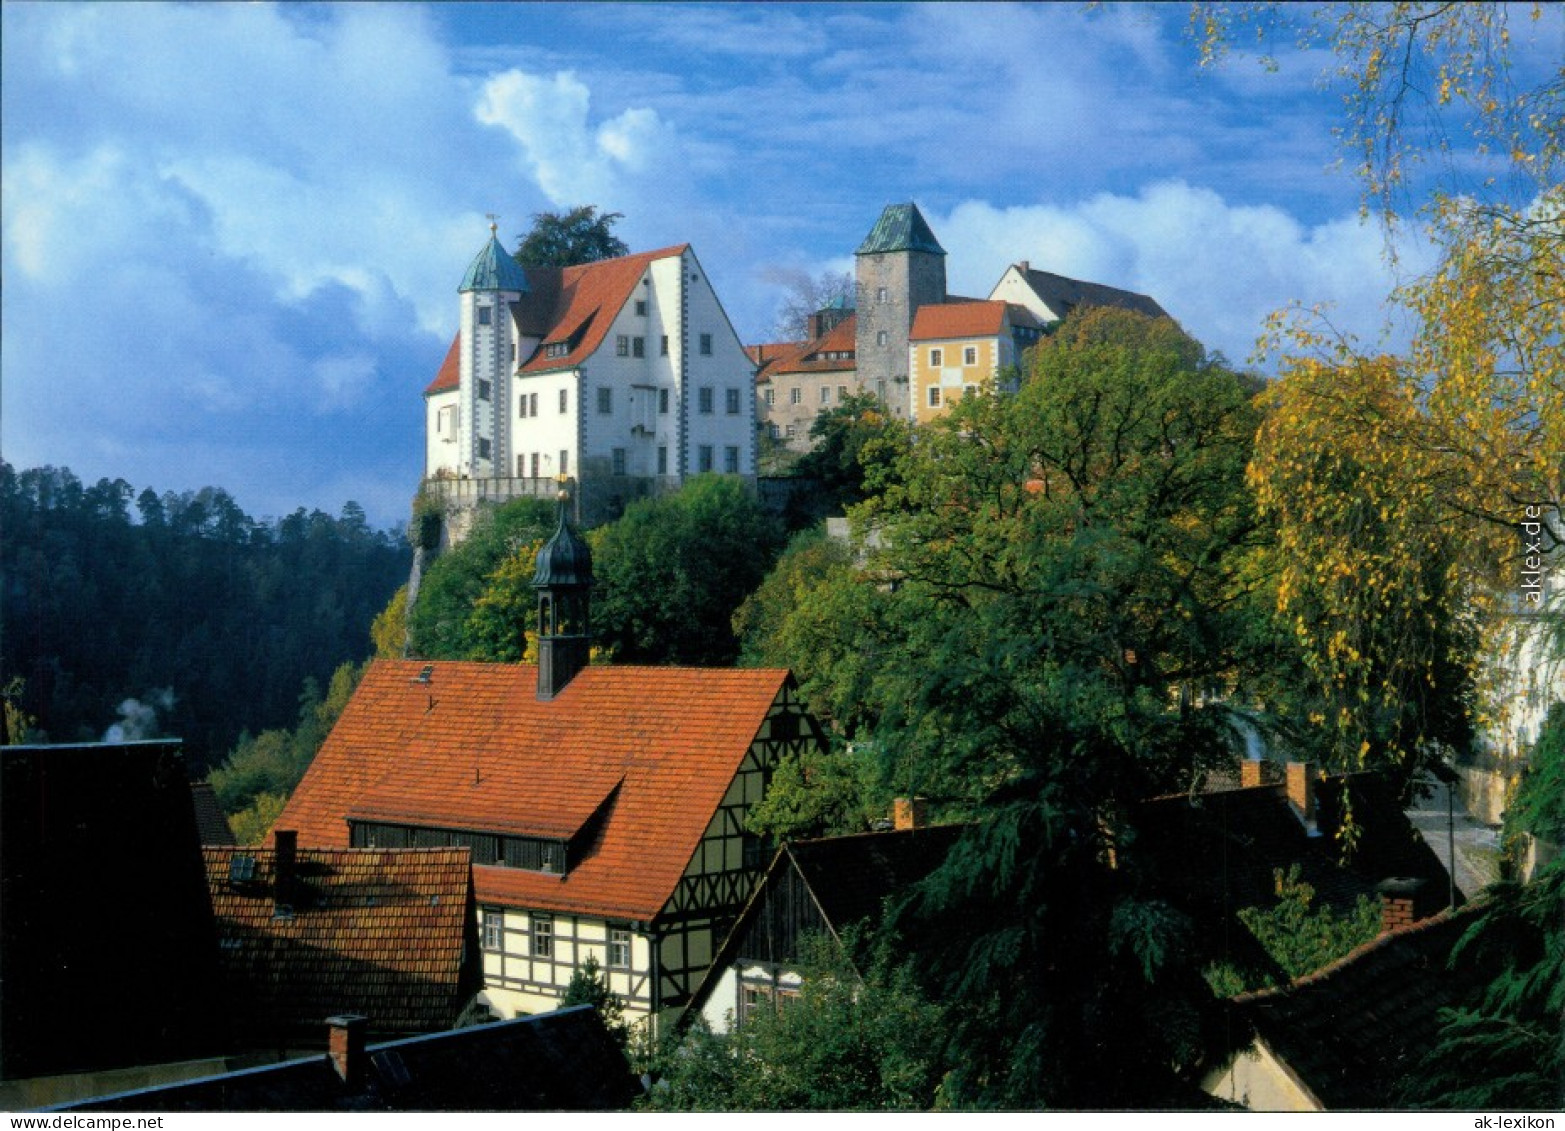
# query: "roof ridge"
1331,969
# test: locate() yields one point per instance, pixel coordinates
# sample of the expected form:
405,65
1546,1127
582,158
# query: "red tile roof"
576,305
571,305
806,357
450,375
936,321
373,931
474,749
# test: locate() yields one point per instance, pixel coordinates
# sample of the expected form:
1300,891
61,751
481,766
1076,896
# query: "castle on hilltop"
624,377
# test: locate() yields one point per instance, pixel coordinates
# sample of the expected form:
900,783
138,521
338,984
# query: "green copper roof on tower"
494,270
901,227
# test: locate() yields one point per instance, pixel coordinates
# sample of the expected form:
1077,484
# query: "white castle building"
623,375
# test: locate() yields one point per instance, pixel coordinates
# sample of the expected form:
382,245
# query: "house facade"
604,807
624,375
797,381
958,348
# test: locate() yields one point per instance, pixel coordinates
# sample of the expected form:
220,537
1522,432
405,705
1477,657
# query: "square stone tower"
900,267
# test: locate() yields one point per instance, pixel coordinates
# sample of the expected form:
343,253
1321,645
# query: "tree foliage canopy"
110,595
1398,483
672,571
565,239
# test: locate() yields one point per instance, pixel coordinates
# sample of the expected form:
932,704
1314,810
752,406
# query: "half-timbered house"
604,806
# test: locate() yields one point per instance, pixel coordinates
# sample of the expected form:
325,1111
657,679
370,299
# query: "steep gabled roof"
574,306
210,821
648,752
450,374
851,876
825,885
569,306
374,931
1350,1031
901,227
808,357
1062,294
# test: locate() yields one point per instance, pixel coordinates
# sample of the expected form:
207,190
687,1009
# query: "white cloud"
571,161
1219,268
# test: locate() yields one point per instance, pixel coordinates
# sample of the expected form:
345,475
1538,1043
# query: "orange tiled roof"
654,748
450,375
580,305
373,931
805,357
571,305
938,321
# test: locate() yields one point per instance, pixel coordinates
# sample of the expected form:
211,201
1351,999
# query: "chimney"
1301,788
345,1046
1250,773
285,868
909,813
1401,902
1024,266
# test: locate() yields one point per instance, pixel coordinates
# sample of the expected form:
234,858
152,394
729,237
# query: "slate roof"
570,306
1350,1031
1062,294
560,1061
374,931
851,876
901,227
649,750
210,821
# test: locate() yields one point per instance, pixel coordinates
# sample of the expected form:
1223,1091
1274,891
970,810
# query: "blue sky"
232,234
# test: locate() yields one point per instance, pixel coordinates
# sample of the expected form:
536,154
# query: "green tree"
672,571
588,986
271,764
1396,483
1504,1047
439,623
819,793
1300,935
564,239
855,447
845,1043
1058,573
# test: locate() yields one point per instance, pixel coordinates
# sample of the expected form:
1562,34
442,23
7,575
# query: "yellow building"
957,348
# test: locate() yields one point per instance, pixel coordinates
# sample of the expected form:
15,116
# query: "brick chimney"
1250,774
1301,788
1402,902
285,868
345,1046
909,813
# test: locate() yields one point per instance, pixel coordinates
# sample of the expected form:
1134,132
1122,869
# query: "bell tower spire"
563,580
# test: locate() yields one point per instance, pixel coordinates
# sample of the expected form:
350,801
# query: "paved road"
1477,844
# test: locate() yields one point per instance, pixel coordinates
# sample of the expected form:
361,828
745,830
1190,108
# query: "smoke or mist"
139,717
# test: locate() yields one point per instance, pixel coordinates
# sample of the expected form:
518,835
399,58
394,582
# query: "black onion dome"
565,559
